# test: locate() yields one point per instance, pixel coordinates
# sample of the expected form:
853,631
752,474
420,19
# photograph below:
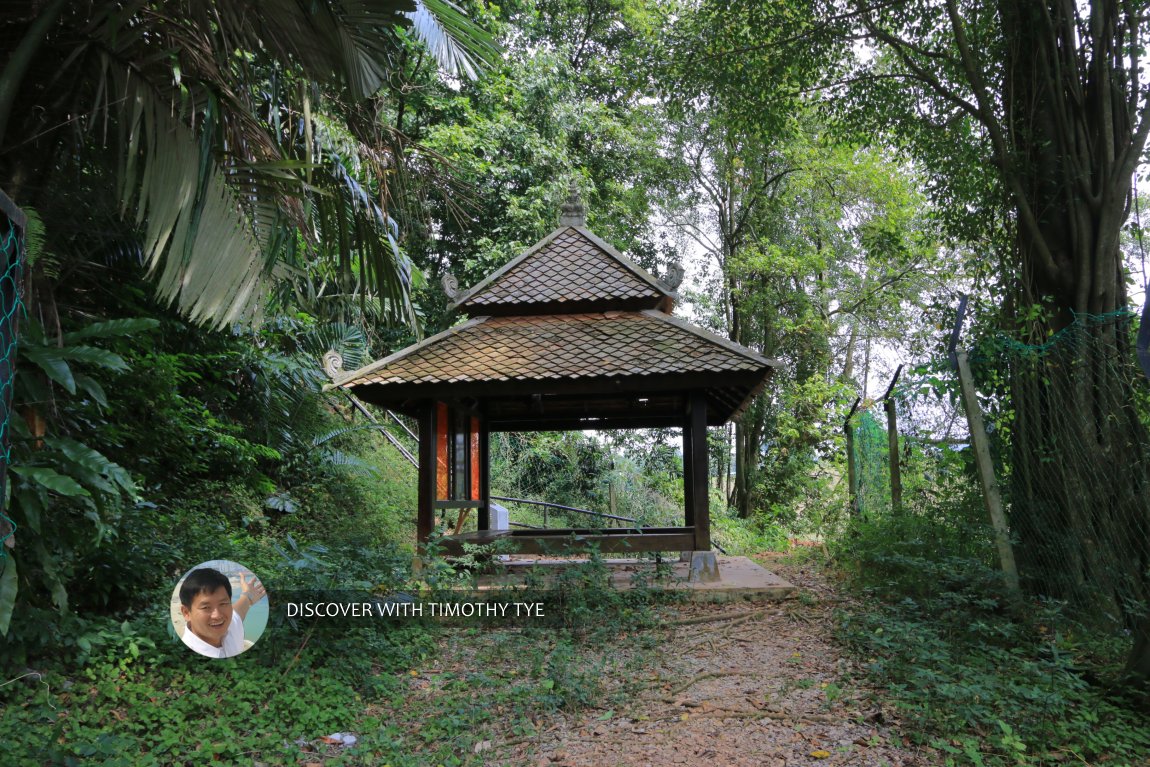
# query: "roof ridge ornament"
674,276
572,212
333,363
451,286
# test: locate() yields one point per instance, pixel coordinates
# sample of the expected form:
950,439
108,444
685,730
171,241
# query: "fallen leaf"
820,754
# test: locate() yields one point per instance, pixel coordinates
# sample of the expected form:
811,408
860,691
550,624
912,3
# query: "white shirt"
233,643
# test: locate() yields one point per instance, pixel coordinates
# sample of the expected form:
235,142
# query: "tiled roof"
561,346
571,266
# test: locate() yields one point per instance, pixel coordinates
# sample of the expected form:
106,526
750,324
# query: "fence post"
611,501
892,445
990,495
852,469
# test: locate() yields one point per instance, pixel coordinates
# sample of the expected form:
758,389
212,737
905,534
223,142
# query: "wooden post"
896,476
695,487
483,519
892,450
611,500
688,474
852,468
425,515
990,494
892,445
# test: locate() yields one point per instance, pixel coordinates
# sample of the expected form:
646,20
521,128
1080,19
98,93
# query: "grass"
417,694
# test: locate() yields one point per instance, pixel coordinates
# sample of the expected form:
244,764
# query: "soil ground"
745,683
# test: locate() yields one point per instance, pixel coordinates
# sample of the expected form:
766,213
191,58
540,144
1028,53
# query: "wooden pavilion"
570,335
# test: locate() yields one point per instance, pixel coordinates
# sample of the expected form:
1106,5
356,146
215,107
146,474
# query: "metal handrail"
375,423
402,425
547,505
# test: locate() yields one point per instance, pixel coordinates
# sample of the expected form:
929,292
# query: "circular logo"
219,608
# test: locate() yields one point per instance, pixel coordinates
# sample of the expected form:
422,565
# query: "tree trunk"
1080,507
1059,91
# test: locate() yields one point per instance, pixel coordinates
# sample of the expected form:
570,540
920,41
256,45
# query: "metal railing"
546,506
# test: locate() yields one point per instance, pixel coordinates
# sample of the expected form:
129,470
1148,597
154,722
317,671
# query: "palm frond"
459,46
220,105
197,241
348,340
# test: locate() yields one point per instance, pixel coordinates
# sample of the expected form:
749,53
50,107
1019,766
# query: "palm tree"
227,143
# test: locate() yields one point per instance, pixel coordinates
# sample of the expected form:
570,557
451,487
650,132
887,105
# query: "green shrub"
973,678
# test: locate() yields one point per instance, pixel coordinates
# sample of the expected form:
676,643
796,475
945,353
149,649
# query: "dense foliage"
214,203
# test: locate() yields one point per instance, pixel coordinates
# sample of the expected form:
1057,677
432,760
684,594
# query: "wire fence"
12,252
1067,423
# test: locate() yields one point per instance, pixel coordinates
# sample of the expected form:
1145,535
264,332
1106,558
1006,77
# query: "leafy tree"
563,104
220,142
1032,118
816,249
1048,102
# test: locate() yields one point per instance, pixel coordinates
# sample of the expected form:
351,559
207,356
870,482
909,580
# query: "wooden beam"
512,411
393,395
528,423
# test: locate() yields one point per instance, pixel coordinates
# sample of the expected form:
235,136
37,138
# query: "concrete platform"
739,577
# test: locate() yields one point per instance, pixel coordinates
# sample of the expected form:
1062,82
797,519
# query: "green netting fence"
1068,424
12,224
939,489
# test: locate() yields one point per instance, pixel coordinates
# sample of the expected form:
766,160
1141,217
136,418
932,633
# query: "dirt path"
748,684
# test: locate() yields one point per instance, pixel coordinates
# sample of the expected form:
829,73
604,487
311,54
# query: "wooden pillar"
484,458
425,513
695,490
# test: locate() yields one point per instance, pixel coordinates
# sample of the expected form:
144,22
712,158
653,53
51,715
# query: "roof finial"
571,213
451,286
333,363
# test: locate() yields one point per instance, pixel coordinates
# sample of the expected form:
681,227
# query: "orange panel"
475,459
441,472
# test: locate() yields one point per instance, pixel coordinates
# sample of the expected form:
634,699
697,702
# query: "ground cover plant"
128,693
979,680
